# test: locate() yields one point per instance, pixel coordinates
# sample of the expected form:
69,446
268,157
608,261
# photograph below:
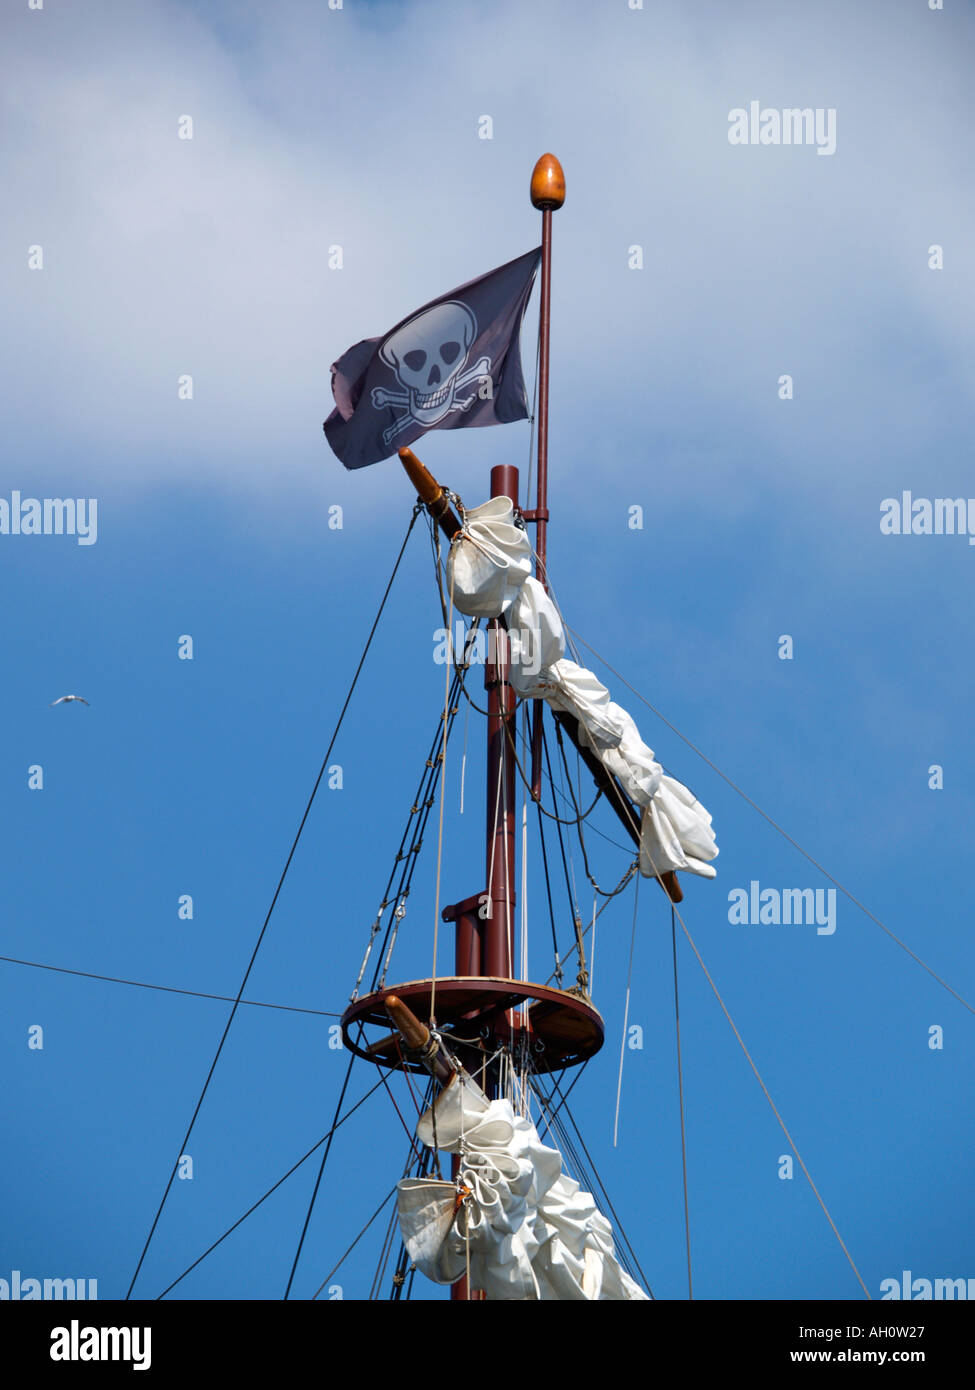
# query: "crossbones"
414,402
429,356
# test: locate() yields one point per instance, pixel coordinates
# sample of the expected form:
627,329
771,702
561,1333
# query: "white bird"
65,698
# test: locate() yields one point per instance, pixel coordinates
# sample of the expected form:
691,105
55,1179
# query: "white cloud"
358,127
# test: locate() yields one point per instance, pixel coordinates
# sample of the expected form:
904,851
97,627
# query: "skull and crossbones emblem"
428,355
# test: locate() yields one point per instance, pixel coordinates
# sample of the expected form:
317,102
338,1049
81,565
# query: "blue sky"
314,128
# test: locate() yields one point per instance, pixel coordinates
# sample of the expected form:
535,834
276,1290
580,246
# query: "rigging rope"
592,951
592,1177
571,820
775,826
421,808
504,773
463,760
422,805
548,892
170,989
332,1272
531,432
385,1080
680,1091
493,826
277,891
418,1105
551,1118
293,1169
523,954
421,1169
626,1014
625,802
403,1264
771,1102
609,899
321,1170
384,1254
674,912
460,667
565,865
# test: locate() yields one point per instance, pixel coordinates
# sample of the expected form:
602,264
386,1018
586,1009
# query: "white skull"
427,355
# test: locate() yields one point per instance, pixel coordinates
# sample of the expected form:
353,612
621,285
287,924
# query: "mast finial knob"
548,184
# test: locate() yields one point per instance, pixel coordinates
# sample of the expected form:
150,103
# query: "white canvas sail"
495,558
527,1229
488,571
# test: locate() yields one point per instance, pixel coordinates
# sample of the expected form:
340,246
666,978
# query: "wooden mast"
481,996
547,194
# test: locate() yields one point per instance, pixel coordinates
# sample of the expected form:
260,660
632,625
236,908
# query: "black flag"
454,362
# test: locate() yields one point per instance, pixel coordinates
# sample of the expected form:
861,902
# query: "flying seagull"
65,698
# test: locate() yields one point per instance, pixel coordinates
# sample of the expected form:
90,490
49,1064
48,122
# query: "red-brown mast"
497,945
565,1028
547,194
498,954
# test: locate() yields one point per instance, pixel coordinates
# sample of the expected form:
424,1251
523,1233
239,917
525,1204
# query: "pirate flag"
454,362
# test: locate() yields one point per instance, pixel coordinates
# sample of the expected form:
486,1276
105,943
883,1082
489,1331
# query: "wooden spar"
419,1042
547,194
430,493
629,816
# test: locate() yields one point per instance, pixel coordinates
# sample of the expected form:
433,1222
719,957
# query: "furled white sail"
527,1229
488,569
489,560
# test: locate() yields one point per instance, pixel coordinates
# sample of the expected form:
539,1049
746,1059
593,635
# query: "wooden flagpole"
547,194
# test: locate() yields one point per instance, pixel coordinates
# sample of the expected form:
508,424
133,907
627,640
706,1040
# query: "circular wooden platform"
565,1030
